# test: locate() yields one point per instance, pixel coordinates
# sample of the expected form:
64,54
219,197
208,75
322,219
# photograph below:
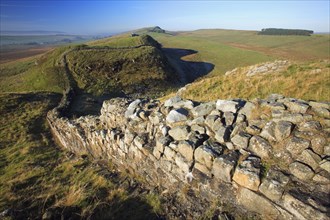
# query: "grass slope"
228,49
309,81
42,73
37,179
103,70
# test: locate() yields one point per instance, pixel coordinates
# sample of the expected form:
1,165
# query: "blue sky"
94,17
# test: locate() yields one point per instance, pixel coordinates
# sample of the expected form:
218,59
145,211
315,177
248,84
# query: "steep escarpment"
269,157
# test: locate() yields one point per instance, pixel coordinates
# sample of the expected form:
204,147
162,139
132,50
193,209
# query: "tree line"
281,31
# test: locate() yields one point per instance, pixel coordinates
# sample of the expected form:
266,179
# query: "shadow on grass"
131,208
187,71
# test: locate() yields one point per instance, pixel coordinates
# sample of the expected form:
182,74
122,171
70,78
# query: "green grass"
227,49
36,74
37,178
125,40
223,56
297,81
139,70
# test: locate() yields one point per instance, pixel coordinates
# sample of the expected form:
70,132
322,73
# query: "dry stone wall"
269,156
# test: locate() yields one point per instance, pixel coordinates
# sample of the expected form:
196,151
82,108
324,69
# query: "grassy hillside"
125,40
39,180
132,65
41,73
309,81
228,49
121,64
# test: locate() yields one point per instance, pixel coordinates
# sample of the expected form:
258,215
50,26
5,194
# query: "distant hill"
35,32
281,31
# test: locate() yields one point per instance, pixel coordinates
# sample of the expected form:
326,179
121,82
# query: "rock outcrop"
261,69
269,157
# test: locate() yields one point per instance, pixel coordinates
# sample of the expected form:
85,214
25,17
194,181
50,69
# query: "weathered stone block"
241,140
302,210
202,168
283,130
318,142
247,174
222,134
186,150
325,164
179,133
224,165
296,145
227,106
310,158
297,107
310,126
268,132
254,202
301,171
198,128
260,147
273,185
323,112
205,156
203,109
169,153
182,163
229,118
177,115
247,109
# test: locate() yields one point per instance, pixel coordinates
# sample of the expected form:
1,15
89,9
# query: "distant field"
228,49
10,53
19,47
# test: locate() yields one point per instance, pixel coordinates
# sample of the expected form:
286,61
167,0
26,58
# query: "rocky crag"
270,157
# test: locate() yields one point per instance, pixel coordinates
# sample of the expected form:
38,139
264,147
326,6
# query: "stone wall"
269,156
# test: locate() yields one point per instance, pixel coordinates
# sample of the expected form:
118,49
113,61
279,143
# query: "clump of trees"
281,31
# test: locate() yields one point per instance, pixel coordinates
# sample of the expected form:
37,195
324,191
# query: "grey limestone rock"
325,164
179,133
177,115
198,128
297,107
178,102
229,118
283,130
213,122
222,134
257,203
323,112
186,150
224,166
310,158
227,106
170,102
301,171
241,140
205,156
203,109
274,184
296,145
247,174
248,109
268,132
260,147
301,210
310,126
